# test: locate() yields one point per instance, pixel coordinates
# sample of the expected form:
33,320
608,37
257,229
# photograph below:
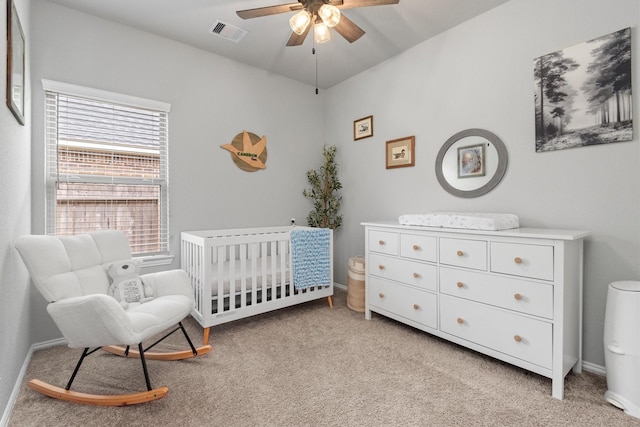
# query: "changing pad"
468,221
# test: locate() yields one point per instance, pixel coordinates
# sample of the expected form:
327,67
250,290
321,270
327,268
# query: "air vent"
228,31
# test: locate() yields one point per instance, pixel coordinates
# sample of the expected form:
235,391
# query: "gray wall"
480,75
15,217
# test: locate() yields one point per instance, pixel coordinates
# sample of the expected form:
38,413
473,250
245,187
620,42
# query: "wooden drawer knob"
416,275
416,247
381,242
416,306
518,338
381,295
517,260
518,297
460,320
381,267
460,253
460,285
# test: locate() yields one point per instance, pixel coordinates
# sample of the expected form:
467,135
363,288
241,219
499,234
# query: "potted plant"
324,192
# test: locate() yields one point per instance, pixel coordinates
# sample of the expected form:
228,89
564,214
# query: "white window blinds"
107,166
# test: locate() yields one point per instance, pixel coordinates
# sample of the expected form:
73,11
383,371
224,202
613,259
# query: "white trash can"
622,346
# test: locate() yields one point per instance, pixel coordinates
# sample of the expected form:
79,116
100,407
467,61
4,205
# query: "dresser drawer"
524,260
410,303
405,271
518,336
514,294
418,247
384,242
464,253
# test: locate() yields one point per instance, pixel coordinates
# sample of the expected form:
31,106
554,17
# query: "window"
107,165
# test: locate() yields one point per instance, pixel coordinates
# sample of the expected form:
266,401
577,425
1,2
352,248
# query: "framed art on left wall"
15,63
363,128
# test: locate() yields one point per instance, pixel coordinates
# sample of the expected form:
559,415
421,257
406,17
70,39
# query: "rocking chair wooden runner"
71,273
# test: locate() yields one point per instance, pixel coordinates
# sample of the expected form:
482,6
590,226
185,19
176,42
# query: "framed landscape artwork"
583,94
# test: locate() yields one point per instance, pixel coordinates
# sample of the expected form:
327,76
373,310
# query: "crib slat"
186,254
243,275
221,259
282,256
254,273
193,256
274,258
204,274
263,271
232,276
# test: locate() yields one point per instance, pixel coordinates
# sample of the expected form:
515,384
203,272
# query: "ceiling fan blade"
347,29
268,10
352,4
297,40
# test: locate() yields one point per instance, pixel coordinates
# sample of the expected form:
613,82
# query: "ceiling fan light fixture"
300,21
321,33
329,14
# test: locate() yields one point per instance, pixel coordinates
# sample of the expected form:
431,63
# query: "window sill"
155,260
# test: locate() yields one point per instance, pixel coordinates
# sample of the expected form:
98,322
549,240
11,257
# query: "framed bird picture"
400,152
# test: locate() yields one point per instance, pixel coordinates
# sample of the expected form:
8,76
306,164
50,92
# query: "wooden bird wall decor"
248,151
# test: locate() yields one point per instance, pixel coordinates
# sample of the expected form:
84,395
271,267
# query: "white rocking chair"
71,274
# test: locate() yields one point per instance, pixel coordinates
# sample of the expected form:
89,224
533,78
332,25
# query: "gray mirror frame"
497,176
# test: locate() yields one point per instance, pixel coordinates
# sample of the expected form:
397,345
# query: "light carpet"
311,365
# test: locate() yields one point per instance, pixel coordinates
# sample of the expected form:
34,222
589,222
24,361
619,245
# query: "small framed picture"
363,128
400,152
15,63
471,161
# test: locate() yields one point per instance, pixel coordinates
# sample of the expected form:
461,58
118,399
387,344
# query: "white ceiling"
389,29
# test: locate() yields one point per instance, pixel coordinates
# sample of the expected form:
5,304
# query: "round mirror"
471,163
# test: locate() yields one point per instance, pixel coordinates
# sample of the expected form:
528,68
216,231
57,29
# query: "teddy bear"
126,285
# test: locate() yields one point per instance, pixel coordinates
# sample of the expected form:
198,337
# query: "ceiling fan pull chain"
313,51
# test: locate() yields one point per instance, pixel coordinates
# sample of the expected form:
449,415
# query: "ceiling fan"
319,14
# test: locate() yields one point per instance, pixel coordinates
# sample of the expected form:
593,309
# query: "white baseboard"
16,387
592,367
47,344
338,285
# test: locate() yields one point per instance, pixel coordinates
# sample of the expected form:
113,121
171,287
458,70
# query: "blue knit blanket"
311,257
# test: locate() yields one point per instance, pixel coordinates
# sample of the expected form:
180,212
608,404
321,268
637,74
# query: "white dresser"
515,295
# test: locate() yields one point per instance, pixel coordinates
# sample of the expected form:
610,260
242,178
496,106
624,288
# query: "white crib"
237,273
